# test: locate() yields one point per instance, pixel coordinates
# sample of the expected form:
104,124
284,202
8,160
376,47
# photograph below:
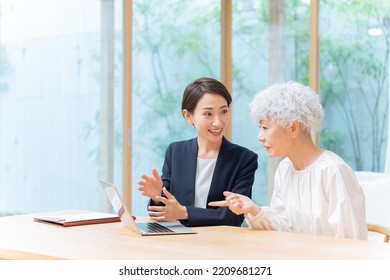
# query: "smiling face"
276,139
210,117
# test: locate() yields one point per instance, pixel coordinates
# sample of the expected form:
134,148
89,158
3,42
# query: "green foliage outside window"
354,80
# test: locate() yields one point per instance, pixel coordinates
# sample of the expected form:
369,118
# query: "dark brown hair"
198,88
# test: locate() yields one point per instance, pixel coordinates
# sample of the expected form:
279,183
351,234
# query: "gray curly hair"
285,103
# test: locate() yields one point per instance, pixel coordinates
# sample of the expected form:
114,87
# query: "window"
354,80
174,42
60,94
61,87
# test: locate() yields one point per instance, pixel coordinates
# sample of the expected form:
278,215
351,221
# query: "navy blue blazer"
234,171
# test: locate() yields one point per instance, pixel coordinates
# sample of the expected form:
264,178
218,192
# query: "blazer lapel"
189,189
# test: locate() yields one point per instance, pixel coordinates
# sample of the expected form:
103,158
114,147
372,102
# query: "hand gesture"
151,186
238,204
172,210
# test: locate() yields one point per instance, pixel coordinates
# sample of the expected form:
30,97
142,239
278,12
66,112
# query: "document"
79,219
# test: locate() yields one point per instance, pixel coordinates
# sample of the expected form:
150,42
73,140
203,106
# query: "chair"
376,187
380,229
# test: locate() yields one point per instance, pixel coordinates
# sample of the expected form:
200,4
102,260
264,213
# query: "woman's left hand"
172,210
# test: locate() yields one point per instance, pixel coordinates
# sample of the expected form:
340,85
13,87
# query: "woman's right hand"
151,186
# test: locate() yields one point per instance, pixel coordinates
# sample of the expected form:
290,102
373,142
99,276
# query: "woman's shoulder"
331,158
328,160
183,146
338,172
183,142
332,162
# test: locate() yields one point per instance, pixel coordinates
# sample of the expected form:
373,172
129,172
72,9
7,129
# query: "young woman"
315,191
199,170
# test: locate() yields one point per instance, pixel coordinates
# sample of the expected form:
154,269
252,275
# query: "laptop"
144,229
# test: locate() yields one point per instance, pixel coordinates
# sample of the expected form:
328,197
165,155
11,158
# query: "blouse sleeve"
273,217
346,215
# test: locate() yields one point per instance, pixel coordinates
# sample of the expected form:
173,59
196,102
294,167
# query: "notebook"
144,229
88,218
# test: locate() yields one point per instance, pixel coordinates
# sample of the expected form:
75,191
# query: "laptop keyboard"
153,227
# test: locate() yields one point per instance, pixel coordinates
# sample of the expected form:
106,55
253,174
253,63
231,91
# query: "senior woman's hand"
238,204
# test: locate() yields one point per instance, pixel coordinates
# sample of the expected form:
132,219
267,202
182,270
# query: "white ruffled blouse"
323,199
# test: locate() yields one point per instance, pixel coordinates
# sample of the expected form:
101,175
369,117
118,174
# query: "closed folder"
79,219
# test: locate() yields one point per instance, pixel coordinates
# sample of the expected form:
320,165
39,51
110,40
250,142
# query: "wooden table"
22,238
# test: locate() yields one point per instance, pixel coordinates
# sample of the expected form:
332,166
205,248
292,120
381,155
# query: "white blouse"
323,199
204,175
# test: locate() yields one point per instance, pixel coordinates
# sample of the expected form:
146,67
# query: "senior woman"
315,191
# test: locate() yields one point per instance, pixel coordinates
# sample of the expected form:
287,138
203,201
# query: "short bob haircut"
285,103
198,88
